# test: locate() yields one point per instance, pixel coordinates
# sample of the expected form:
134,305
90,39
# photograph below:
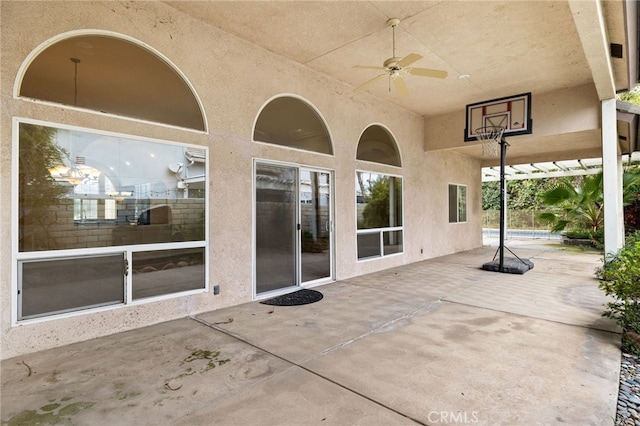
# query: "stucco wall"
569,110
233,79
566,125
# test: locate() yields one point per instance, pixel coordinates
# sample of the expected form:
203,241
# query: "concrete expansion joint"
243,340
380,328
383,327
222,330
424,308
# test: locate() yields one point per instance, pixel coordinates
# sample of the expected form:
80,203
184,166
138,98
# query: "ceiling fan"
394,66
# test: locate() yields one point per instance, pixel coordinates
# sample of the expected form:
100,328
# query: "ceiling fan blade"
425,72
409,59
369,83
368,67
401,86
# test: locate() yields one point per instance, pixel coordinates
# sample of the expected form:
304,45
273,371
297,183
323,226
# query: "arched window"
106,214
115,75
291,122
378,146
378,197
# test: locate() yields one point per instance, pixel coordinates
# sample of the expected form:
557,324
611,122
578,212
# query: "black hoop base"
510,265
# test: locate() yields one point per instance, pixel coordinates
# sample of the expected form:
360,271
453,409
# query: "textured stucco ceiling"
490,49
504,47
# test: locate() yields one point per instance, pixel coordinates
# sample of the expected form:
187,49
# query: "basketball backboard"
513,113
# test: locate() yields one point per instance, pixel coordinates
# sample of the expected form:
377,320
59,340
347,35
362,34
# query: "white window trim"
74,33
255,161
379,230
127,249
395,142
312,106
458,221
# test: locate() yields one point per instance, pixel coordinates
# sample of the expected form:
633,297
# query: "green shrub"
620,279
579,234
596,237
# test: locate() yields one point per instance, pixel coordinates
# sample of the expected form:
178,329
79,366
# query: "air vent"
616,50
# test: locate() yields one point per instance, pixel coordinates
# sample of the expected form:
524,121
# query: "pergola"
550,169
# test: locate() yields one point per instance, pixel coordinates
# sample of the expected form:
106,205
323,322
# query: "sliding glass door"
315,214
276,219
293,239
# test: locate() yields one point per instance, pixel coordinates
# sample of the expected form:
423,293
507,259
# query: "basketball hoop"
490,136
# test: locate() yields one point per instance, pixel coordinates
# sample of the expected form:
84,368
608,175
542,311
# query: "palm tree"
578,205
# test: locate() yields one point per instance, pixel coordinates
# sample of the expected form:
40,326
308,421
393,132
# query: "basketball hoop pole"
491,137
516,264
503,201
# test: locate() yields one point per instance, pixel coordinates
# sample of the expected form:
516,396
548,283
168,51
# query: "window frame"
123,37
128,250
312,107
382,230
100,305
460,207
393,143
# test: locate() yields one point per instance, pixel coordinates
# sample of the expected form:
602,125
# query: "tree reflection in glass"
39,193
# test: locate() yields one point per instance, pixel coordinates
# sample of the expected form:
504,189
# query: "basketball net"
490,136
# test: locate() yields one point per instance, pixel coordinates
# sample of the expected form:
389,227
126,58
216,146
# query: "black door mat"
300,297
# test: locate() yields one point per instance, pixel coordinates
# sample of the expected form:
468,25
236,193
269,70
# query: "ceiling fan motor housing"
392,64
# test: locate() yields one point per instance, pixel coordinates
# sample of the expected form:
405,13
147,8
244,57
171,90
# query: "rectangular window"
83,194
457,203
392,242
153,203
110,209
58,285
84,209
167,271
368,245
379,210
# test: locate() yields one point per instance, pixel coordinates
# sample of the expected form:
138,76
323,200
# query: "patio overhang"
628,119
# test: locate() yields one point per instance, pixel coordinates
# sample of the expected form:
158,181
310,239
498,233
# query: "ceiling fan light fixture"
394,65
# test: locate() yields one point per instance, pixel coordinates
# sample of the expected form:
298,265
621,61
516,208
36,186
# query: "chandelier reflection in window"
119,195
77,174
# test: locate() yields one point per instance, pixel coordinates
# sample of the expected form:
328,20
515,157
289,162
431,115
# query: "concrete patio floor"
434,342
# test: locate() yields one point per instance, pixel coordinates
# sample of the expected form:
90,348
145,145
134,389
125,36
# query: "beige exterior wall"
233,79
566,126
566,111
